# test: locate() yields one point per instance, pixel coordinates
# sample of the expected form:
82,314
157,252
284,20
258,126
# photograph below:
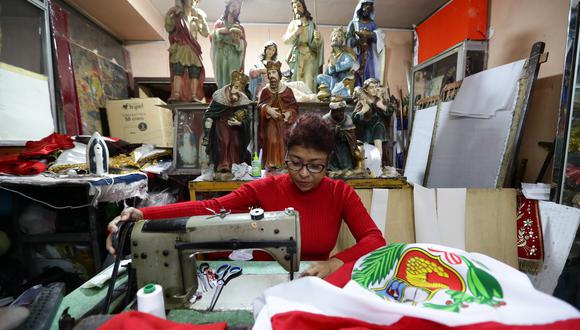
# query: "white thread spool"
150,300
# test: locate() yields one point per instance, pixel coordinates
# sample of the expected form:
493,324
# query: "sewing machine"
163,250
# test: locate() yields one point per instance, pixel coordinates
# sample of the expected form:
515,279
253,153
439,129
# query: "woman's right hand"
128,214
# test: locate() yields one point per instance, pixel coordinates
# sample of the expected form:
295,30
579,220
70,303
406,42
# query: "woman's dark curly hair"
310,131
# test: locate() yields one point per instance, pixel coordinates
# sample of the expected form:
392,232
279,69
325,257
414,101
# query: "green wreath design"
378,264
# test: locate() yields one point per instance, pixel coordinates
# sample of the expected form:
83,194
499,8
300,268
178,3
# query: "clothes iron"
97,155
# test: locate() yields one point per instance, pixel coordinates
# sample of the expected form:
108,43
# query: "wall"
151,59
458,20
514,26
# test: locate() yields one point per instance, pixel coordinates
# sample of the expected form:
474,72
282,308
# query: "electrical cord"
125,228
69,207
48,204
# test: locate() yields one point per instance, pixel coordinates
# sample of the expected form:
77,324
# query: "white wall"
516,25
151,59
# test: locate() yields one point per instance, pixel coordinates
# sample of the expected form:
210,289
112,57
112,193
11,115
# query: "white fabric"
451,216
116,191
24,105
418,154
373,159
301,92
425,210
537,191
440,216
76,155
242,172
523,304
559,226
379,54
484,93
468,152
379,208
101,278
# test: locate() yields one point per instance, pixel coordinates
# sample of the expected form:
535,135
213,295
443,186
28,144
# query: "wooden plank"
400,226
213,186
370,183
490,223
345,238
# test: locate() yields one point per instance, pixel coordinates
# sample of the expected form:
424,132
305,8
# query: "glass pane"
571,192
429,80
475,62
21,35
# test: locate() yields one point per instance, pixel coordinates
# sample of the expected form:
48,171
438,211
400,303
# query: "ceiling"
397,14
143,20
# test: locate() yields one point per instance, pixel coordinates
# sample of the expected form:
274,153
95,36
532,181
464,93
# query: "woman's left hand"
323,268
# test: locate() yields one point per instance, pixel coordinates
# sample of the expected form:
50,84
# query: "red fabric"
321,212
342,275
12,164
457,21
306,321
64,70
529,226
143,321
47,145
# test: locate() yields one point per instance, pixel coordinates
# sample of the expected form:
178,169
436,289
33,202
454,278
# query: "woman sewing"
321,201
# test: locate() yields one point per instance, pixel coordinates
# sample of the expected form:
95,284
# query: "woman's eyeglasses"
312,168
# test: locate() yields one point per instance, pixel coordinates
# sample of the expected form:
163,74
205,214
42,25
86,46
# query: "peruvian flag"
416,286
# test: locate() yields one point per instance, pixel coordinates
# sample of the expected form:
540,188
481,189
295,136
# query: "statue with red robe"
278,111
184,22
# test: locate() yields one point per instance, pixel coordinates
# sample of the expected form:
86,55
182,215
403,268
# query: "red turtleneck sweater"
321,212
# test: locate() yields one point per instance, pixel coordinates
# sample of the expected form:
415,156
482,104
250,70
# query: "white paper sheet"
416,162
379,208
24,105
559,224
425,207
468,152
538,191
484,93
451,217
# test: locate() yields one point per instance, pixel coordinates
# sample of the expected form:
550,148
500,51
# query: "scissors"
202,274
225,273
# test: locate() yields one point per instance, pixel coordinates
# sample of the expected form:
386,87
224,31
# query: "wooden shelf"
226,186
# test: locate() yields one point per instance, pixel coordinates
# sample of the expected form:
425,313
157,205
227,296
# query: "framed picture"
189,155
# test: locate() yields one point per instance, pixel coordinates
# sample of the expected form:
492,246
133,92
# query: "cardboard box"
141,121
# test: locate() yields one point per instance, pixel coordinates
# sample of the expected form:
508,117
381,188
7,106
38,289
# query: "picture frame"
189,156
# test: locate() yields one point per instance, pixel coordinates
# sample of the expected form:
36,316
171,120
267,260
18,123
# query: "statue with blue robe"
368,41
342,64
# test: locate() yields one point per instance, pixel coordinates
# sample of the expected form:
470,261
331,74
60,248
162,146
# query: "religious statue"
228,44
186,141
258,72
278,111
346,149
342,63
228,125
368,42
307,53
372,115
184,22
